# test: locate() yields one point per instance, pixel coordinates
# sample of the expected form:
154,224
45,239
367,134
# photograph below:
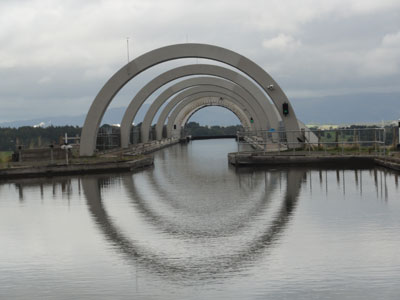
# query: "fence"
333,140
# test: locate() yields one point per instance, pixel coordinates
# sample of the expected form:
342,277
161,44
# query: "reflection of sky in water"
193,227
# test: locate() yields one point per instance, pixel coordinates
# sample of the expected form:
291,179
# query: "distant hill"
207,116
350,109
112,116
47,121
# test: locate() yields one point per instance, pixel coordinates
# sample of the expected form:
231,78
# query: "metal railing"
333,140
107,141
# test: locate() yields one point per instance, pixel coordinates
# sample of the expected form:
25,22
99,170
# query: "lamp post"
66,147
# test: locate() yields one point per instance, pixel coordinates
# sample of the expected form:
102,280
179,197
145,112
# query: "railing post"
382,143
238,140
294,144
337,134
319,139
265,145
279,143
341,138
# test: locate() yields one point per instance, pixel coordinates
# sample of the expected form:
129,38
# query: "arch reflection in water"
195,261
199,215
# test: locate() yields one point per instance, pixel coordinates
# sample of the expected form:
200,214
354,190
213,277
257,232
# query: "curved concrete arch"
230,106
201,103
210,96
196,105
195,100
184,84
272,116
182,113
224,102
160,55
205,91
265,106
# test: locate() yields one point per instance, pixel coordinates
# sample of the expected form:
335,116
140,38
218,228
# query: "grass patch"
5,156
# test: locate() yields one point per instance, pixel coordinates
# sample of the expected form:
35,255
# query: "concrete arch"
205,91
191,108
265,106
231,107
194,100
157,56
184,84
198,104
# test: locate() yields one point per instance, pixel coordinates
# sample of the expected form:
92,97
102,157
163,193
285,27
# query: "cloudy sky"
55,55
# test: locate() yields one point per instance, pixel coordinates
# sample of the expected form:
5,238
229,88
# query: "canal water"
193,227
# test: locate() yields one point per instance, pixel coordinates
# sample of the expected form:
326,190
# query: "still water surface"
193,227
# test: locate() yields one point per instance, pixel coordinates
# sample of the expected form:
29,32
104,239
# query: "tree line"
34,137
37,137
195,129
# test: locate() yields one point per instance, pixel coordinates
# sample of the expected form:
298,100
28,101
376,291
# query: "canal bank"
76,168
138,156
392,163
314,159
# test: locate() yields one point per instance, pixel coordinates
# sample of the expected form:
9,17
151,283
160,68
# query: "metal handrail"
265,140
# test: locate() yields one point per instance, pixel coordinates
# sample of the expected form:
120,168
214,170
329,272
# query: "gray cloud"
56,55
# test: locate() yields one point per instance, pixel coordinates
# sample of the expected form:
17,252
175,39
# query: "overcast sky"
55,55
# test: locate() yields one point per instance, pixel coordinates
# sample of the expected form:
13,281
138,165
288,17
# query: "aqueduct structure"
246,90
